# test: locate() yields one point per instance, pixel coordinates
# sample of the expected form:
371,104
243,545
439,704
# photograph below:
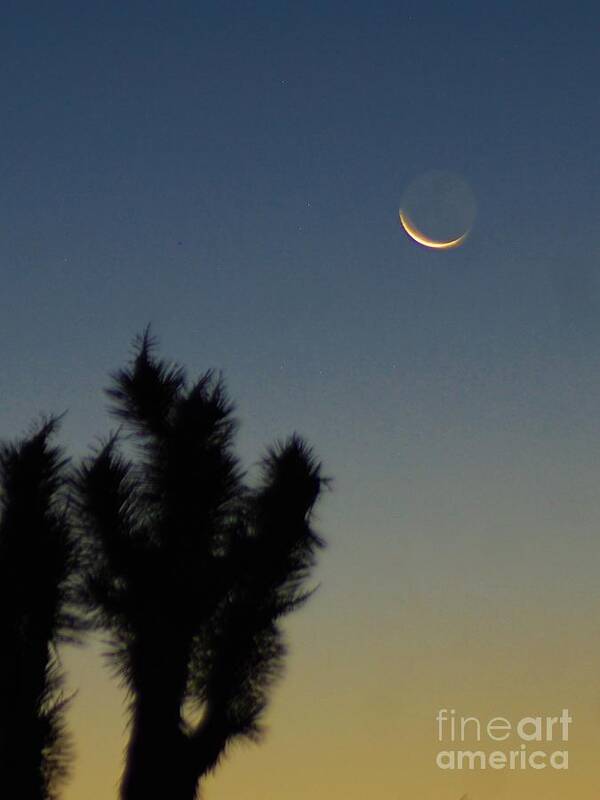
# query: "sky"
231,172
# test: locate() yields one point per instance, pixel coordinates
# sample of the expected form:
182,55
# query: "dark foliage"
190,570
37,562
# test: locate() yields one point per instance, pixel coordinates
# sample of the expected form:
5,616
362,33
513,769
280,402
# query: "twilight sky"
231,172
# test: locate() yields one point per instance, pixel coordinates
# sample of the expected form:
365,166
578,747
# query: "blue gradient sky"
231,173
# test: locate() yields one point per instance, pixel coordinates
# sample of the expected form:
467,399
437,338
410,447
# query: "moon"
421,238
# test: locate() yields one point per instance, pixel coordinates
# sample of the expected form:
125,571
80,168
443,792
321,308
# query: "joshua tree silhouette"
37,561
190,570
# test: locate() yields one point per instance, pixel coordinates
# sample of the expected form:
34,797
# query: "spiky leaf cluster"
188,568
37,562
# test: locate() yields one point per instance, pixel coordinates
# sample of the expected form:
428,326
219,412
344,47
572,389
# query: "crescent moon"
419,237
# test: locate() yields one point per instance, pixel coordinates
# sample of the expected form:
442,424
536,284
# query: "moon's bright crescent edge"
419,237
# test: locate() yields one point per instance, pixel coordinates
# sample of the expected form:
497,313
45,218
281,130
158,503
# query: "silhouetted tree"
37,560
191,571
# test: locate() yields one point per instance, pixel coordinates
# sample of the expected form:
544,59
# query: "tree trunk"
158,763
